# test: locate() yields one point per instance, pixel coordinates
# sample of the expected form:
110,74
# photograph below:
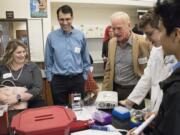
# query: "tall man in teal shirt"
66,58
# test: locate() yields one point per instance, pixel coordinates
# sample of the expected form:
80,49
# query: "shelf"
90,31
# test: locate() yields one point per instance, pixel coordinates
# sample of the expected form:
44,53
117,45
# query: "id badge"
77,50
7,75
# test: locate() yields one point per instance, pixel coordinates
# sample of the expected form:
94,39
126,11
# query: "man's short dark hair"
169,13
149,18
65,9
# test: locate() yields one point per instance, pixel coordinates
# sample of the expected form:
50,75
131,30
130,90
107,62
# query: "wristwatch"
18,97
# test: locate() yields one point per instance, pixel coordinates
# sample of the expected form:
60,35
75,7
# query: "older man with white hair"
127,58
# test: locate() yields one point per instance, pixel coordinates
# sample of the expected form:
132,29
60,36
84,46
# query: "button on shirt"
124,72
66,54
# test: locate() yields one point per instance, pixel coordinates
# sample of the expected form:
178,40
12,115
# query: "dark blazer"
168,118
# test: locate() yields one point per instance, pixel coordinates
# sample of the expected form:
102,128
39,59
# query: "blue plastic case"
121,113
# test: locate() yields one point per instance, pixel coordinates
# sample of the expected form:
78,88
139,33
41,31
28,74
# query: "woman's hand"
3,97
23,92
105,59
127,103
25,96
11,100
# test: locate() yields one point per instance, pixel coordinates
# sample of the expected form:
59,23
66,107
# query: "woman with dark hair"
16,69
168,119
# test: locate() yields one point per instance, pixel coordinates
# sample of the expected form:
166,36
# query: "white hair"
120,15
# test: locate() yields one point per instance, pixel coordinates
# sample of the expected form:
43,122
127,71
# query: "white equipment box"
106,100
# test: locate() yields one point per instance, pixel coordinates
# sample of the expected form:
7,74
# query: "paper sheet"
95,132
85,113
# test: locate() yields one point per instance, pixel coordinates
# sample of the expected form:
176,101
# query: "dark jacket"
168,118
30,78
105,48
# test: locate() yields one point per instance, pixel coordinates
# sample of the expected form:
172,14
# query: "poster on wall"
38,8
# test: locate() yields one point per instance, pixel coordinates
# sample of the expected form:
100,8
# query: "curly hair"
169,13
11,47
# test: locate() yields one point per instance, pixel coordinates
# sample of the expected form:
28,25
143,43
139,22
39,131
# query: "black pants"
124,91
63,86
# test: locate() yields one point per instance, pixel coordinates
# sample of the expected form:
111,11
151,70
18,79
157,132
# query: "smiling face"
19,55
65,21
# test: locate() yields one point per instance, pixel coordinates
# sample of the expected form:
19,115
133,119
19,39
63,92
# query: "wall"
91,14
21,9
97,15
85,11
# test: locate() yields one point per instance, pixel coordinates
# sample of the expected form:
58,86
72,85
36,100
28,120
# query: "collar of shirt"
67,33
176,66
129,41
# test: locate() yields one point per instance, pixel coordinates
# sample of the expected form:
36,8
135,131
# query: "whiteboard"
35,32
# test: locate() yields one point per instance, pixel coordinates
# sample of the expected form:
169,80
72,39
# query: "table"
87,114
119,124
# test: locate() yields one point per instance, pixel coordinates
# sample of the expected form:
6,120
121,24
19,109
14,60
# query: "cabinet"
29,31
13,29
47,92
